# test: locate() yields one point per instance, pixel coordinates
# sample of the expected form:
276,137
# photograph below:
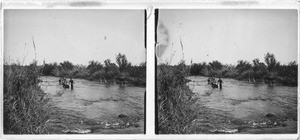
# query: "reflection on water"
98,106
243,107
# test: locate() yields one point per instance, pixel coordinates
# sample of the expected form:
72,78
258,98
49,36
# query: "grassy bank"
269,71
107,71
175,102
24,106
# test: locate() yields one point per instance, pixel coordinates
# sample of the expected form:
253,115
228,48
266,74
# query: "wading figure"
71,82
59,81
64,83
220,82
214,83
208,80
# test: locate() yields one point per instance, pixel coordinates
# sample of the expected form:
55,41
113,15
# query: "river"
92,107
242,107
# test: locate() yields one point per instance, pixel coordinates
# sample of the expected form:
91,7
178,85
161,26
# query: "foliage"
111,70
215,65
198,69
256,71
66,65
108,71
176,107
94,66
259,69
243,66
49,68
270,61
138,71
122,62
24,111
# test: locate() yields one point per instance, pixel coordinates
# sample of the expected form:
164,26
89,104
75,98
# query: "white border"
150,6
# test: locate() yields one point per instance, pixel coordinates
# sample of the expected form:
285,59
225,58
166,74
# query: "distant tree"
94,66
48,69
137,71
290,70
271,62
243,66
107,62
111,69
216,65
66,65
259,68
122,62
197,68
293,67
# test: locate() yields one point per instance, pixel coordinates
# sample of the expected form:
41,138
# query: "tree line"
268,71
107,71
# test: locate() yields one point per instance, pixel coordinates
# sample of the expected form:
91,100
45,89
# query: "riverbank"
176,105
271,80
270,71
102,77
25,108
120,72
130,81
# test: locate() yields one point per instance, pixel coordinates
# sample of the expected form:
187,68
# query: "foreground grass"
176,105
24,105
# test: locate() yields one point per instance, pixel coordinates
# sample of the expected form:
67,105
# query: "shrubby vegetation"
175,102
106,71
256,71
24,110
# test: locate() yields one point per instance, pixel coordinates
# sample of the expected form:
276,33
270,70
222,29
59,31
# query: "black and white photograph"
226,71
74,71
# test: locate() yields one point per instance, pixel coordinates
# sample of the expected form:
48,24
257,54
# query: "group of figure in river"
214,83
63,81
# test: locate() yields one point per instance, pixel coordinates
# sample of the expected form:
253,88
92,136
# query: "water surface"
92,107
242,107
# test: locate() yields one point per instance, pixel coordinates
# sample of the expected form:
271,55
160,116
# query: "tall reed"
176,105
24,105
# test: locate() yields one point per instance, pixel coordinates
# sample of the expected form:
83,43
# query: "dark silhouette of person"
59,81
220,82
208,80
71,82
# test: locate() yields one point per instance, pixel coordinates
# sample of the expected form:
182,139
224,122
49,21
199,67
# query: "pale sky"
74,35
228,35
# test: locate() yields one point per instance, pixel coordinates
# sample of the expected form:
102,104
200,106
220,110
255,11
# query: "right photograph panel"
226,71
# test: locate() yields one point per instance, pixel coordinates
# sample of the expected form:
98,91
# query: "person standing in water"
220,83
208,80
59,81
71,82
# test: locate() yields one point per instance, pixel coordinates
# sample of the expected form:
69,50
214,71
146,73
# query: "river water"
242,107
92,107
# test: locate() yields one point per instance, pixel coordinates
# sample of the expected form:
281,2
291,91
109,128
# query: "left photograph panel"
74,71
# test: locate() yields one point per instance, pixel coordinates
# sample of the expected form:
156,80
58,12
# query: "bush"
94,66
48,69
176,107
138,71
24,111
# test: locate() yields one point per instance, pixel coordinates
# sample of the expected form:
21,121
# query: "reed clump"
24,103
175,101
